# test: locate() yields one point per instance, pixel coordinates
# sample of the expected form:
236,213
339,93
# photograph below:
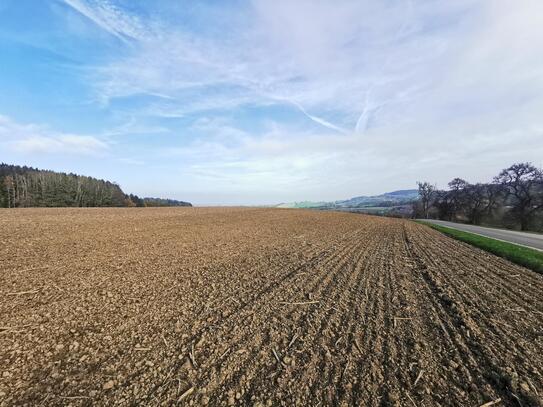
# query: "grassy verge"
529,258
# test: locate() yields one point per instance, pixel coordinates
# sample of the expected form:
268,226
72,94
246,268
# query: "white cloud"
32,138
293,164
386,92
60,144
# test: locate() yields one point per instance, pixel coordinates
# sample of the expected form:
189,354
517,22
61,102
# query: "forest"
513,199
22,186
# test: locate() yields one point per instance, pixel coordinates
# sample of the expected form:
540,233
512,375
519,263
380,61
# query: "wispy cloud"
350,63
134,127
32,138
321,69
107,16
60,144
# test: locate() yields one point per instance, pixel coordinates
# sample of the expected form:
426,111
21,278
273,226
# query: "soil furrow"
468,337
321,285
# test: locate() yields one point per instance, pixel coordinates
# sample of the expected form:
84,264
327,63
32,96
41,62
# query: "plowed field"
259,307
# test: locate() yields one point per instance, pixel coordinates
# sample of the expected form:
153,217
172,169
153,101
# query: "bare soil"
259,307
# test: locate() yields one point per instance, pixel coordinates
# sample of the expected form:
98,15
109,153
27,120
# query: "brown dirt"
259,307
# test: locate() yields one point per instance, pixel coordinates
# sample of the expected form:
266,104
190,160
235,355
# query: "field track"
259,307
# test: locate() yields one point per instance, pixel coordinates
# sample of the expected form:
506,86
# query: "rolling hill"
386,200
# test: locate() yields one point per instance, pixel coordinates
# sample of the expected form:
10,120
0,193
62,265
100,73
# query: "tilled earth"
259,307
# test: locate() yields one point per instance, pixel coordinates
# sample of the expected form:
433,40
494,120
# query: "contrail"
89,13
316,119
251,84
362,121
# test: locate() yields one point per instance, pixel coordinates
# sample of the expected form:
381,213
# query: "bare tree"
9,184
523,184
456,196
426,193
475,201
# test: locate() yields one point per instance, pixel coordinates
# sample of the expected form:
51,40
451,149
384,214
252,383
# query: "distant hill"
303,204
22,186
393,198
386,200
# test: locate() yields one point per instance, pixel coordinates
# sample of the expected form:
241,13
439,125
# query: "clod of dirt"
108,385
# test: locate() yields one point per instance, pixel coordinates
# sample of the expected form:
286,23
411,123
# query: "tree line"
22,186
134,200
513,199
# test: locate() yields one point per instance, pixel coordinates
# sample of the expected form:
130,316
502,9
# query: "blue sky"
257,102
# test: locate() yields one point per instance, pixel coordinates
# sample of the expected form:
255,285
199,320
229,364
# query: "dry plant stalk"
491,403
278,359
418,378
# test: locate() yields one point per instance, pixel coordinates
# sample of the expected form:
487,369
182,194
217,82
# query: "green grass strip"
529,258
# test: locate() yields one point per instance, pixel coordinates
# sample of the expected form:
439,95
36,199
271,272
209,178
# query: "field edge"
521,255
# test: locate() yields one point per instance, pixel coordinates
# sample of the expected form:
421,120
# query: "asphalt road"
533,240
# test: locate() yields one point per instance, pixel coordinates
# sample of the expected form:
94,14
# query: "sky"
268,101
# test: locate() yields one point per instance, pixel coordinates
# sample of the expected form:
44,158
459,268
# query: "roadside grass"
524,256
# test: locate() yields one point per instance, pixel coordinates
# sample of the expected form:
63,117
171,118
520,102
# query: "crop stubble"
237,306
